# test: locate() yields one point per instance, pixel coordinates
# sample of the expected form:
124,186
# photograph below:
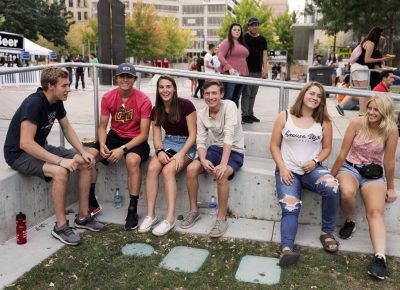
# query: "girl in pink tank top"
369,139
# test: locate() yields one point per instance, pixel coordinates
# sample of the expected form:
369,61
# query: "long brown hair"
320,114
231,40
162,117
373,35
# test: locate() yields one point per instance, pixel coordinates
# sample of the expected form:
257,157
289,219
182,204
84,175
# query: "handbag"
370,171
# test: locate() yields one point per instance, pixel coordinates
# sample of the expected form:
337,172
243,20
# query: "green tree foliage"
246,10
178,38
36,17
283,31
358,16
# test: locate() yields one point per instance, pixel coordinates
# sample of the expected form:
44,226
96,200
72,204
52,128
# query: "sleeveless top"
300,145
365,151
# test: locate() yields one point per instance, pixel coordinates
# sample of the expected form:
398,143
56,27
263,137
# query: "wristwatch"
317,162
124,148
159,150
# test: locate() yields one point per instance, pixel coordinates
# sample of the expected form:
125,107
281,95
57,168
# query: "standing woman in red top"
232,55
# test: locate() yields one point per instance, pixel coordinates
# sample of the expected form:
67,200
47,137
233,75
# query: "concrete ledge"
31,195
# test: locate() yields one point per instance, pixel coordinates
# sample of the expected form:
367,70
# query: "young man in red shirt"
128,110
387,80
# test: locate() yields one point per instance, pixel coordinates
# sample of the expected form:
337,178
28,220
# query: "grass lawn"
99,264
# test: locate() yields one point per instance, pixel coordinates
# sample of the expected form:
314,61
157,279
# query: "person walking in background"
387,80
178,118
301,139
208,59
221,159
257,62
200,82
232,55
69,69
215,61
193,81
367,60
332,63
27,151
79,73
128,111
369,149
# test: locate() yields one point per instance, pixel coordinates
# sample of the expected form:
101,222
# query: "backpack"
355,54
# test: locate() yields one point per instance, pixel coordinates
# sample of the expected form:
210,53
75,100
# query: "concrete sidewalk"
18,259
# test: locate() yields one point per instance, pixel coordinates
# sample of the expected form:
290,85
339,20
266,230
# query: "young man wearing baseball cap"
257,64
128,110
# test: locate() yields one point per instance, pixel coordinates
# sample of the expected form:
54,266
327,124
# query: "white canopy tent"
35,49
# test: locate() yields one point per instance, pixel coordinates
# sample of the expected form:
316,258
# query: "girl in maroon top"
178,118
232,55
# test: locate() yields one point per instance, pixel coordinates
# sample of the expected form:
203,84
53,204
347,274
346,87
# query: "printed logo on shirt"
302,137
123,115
51,117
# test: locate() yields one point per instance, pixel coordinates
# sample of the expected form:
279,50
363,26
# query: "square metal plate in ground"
184,259
137,249
261,270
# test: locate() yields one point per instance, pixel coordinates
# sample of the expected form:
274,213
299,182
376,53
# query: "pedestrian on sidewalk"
257,62
27,151
79,73
301,140
177,117
369,145
128,111
200,82
221,159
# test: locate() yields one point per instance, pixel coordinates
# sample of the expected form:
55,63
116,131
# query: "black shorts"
114,141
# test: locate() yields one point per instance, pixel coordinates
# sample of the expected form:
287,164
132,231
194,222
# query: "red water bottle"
21,229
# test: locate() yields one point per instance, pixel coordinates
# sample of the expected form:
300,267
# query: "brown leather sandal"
326,244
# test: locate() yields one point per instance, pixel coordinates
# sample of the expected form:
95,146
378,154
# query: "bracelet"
159,150
59,162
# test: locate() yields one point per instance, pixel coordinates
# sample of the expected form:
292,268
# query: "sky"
296,5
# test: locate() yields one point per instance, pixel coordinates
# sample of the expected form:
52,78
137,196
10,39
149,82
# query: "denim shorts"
353,171
176,143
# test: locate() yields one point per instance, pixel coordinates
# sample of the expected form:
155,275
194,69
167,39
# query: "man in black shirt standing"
79,73
257,64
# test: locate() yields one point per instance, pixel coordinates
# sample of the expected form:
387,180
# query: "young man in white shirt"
221,159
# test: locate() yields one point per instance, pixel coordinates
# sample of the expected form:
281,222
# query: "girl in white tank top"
301,140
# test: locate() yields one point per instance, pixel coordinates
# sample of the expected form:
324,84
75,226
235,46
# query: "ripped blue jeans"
320,181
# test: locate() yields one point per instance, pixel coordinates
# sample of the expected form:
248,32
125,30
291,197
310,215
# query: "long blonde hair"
384,104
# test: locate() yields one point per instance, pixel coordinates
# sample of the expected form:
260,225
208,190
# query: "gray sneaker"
190,219
66,235
89,223
219,228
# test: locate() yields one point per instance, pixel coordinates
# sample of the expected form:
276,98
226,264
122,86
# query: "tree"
145,37
357,15
244,11
36,17
283,31
178,38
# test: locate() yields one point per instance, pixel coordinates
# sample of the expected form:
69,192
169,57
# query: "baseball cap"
126,68
253,20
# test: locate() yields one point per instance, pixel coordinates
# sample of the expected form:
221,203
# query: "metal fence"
8,75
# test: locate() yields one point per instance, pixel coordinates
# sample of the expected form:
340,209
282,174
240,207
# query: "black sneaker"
346,232
378,268
255,119
340,110
132,219
247,119
66,235
89,223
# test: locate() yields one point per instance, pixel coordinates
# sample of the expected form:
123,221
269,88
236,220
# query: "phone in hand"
170,152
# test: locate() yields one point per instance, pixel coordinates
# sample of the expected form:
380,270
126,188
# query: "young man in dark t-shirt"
26,150
257,64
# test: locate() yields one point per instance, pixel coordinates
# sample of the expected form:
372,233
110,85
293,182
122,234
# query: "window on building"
71,3
85,17
216,8
192,21
214,21
212,32
79,16
167,8
79,3
84,3
192,9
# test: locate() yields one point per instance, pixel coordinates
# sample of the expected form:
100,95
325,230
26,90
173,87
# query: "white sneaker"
162,228
147,223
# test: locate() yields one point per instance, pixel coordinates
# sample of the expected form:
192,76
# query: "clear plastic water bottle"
117,200
212,206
